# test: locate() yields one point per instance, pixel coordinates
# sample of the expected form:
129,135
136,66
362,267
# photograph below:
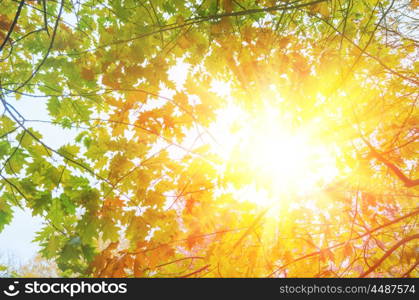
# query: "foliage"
38,267
143,191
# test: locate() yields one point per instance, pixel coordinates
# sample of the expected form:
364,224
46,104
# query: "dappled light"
214,138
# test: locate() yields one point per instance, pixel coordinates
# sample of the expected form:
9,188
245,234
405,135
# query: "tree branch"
196,272
407,273
197,20
369,232
388,253
51,44
407,181
44,6
19,10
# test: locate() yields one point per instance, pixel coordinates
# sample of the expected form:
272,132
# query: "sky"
16,238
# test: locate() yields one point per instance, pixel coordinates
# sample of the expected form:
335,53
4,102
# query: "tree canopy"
215,138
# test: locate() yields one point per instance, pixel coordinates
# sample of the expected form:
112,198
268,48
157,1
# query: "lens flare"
271,155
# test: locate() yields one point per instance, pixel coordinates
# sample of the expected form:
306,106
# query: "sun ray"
275,159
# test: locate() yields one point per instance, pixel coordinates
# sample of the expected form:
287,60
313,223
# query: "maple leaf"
171,126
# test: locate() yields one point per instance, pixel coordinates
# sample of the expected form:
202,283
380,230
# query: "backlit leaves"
142,190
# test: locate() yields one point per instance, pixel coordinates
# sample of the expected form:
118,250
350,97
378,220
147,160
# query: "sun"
274,158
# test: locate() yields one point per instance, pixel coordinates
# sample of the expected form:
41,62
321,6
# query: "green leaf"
69,150
6,214
53,247
110,231
6,125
